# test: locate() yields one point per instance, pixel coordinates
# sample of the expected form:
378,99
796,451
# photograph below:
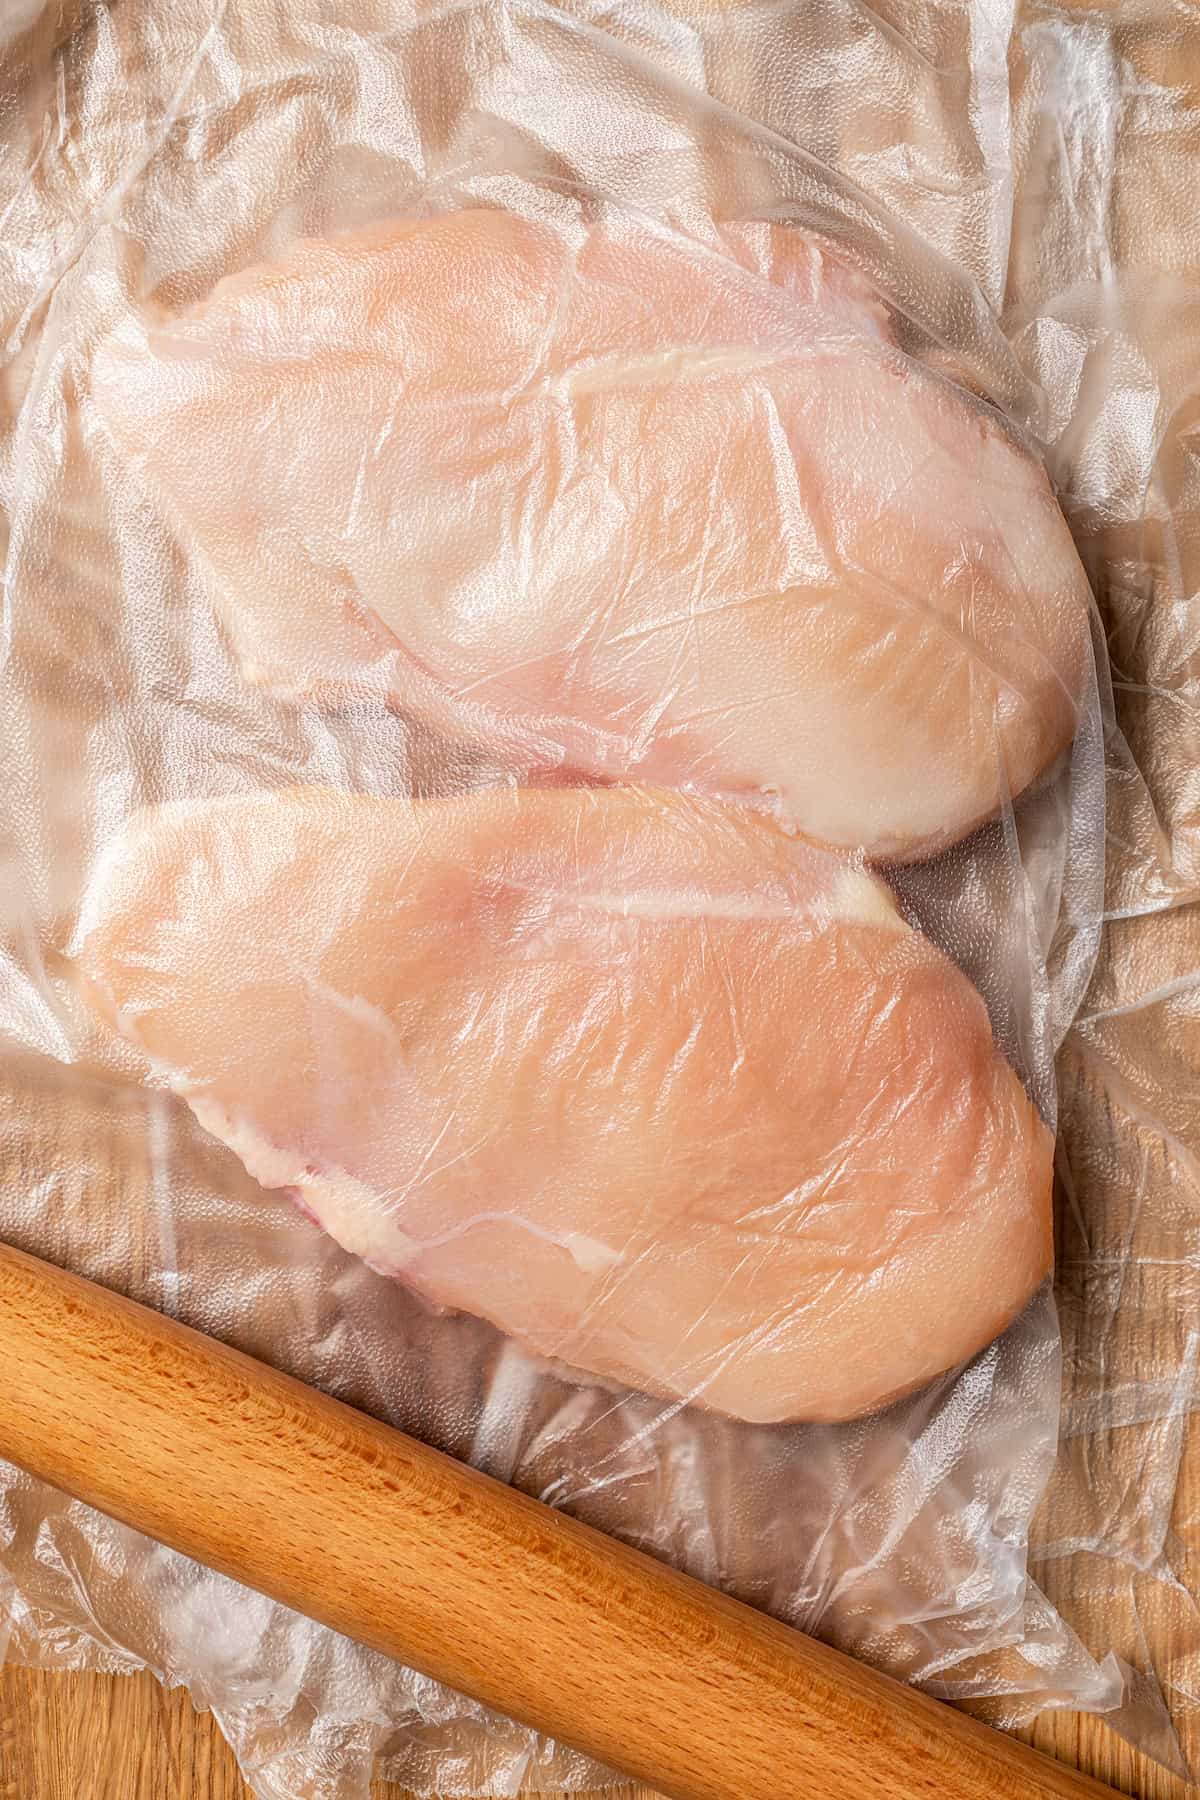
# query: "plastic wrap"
197,559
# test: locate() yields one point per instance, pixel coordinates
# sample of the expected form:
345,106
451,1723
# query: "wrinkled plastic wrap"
1000,195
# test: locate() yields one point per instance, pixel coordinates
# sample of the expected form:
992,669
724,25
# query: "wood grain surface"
123,1737
425,1559
99,1737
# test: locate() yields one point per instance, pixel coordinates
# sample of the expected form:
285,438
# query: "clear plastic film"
372,626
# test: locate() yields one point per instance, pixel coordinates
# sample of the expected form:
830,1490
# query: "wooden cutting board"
118,1737
123,1737
95,1737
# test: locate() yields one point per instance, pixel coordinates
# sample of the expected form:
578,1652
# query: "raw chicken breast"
660,1091
640,505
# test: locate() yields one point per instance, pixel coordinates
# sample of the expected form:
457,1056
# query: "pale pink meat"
664,1093
631,504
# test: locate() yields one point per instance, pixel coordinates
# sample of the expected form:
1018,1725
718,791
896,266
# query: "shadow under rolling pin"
455,1574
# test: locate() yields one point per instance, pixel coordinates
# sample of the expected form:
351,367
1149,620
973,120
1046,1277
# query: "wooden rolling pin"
453,1573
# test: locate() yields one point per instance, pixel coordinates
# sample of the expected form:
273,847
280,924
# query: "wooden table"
118,1737
94,1737
123,1737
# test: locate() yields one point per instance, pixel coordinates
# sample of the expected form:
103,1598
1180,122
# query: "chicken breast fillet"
662,1092
642,506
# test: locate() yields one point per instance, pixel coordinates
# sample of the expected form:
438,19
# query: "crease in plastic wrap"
680,293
